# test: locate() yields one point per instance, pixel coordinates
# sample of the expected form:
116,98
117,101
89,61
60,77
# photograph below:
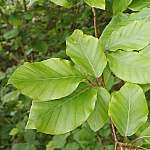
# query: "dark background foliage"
33,32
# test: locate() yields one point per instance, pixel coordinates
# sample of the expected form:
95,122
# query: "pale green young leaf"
128,109
46,80
63,115
134,36
122,20
87,53
96,3
99,116
138,5
130,66
146,51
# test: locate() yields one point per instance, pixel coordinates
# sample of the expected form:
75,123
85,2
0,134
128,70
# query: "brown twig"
95,22
114,136
130,146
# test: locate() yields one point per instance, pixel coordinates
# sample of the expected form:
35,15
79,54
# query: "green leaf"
14,131
120,6
122,20
108,77
72,146
134,36
138,5
23,146
145,87
145,135
87,53
130,66
40,46
57,142
46,80
99,116
63,115
128,109
11,34
96,3
146,51
11,96
84,136
64,3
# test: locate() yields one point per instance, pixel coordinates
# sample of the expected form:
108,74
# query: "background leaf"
131,104
23,146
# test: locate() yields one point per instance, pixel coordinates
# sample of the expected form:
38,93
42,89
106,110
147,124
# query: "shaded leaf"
23,146
145,135
11,96
108,77
120,6
99,116
11,34
138,5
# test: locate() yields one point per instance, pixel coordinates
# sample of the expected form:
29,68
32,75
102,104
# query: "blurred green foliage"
32,31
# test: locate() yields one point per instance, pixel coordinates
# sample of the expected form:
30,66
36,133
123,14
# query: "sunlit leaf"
128,109
134,36
96,3
130,66
87,53
63,115
46,80
138,5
